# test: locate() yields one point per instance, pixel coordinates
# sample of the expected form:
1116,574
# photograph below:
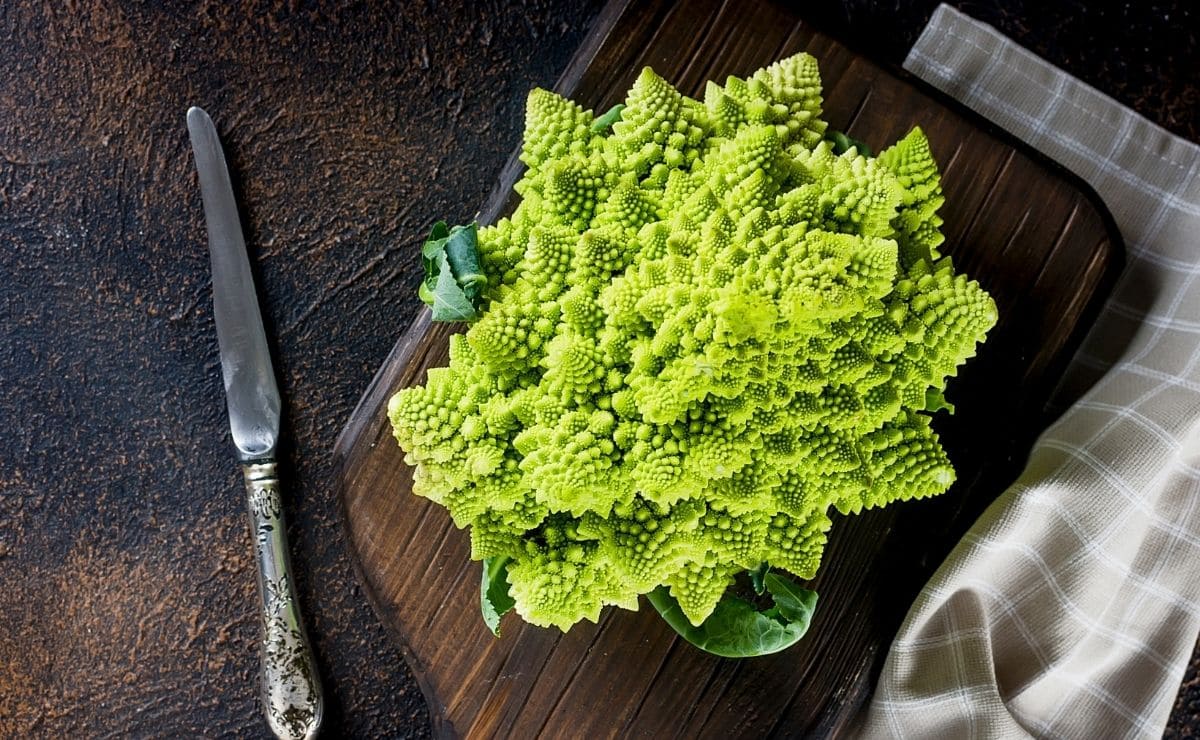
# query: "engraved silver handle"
290,685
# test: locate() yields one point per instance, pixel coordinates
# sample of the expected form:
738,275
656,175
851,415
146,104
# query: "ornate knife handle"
290,685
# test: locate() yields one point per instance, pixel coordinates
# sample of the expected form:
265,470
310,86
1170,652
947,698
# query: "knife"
290,687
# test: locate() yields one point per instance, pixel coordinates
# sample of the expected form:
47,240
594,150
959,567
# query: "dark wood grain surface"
125,566
1035,238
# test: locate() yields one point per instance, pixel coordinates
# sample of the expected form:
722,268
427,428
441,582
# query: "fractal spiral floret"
702,330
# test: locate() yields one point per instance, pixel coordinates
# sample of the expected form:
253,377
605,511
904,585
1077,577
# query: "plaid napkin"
1072,606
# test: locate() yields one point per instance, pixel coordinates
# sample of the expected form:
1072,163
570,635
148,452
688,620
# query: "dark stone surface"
126,589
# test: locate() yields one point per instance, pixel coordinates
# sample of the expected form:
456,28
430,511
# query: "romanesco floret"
704,330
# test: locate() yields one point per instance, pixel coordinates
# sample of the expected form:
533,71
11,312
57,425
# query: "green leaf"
735,629
462,252
842,143
437,237
425,291
429,255
756,578
454,279
608,119
430,251
494,599
450,303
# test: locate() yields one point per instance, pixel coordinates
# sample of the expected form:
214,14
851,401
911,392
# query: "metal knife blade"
250,390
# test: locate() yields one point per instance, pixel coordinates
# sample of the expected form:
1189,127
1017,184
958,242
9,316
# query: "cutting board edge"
384,613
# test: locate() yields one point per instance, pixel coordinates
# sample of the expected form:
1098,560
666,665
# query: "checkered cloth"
1072,606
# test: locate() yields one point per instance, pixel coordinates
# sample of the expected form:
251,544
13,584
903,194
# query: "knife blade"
250,390
289,684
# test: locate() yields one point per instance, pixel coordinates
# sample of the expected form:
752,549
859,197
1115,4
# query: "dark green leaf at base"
842,143
735,629
494,600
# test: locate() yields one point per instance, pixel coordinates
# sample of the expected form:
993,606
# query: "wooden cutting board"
1034,236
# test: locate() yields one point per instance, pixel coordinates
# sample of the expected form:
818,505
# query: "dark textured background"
126,589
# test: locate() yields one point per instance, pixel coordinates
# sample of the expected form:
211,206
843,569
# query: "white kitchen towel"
1071,608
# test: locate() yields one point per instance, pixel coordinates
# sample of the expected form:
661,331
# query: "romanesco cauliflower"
703,330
